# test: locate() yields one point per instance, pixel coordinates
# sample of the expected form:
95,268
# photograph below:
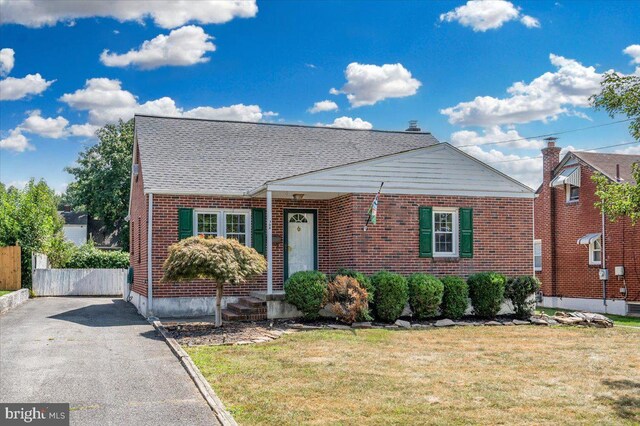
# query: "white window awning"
589,238
569,176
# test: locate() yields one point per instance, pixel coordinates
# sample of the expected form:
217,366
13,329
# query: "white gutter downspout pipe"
269,244
604,264
150,258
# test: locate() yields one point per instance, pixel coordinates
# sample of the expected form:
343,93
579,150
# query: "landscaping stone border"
13,300
216,405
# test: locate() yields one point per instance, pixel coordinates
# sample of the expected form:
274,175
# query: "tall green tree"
102,178
620,94
29,218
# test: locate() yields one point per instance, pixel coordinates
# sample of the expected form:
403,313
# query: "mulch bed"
247,332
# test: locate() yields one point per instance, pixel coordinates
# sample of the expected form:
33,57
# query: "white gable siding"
436,170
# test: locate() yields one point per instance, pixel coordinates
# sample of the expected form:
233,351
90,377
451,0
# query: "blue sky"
469,72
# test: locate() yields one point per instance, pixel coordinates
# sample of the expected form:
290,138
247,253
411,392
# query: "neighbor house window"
573,193
595,252
537,255
445,232
223,223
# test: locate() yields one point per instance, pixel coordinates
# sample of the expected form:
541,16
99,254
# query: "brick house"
573,239
300,195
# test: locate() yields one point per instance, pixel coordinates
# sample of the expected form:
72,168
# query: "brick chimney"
550,159
546,218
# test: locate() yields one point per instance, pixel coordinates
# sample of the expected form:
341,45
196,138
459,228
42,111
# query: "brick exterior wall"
565,265
138,232
503,233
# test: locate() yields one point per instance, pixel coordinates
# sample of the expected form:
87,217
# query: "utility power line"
548,134
587,149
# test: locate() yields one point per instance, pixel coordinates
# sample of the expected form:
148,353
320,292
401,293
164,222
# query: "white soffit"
437,170
569,176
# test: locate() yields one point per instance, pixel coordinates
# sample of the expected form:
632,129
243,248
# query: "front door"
300,243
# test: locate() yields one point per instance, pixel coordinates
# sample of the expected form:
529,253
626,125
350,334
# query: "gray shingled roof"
184,155
606,163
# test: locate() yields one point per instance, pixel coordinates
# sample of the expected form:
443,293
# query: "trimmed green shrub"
486,291
392,294
347,299
455,297
520,291
425,294
88,256
361,278
307,291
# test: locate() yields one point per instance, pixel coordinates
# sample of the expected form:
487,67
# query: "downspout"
604,263
150,258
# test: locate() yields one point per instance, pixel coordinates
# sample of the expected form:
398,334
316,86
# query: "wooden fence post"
10,268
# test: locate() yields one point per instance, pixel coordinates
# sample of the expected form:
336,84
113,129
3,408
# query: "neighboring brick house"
300,196
569,229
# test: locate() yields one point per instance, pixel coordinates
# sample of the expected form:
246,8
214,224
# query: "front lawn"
617,319
463,375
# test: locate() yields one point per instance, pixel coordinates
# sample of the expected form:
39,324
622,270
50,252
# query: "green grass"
526,375
3,292
617,319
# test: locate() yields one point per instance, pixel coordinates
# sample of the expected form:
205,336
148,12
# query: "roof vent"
413,126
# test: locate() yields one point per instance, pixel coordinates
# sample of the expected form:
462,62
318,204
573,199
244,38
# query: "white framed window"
537,255
445,232
223,223
572,193
595,252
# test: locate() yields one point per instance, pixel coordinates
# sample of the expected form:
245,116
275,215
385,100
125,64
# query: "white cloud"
483,15
630,150
494,134
18,184
368,84
83,130
182,47
53,128
107,102
530,21
545,98
165,14
16,141
634,52
12,89
526,169
349,123
6,61
323,106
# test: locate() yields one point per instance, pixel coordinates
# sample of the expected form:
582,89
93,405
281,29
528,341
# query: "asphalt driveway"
100,356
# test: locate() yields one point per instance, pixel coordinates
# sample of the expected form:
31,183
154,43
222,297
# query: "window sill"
595,265
446,259
572,202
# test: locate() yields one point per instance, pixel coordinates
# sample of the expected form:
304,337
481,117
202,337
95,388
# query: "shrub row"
351,295
88,256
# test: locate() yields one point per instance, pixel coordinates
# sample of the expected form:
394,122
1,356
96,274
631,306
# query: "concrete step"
240,308
228,315
252,301
262,295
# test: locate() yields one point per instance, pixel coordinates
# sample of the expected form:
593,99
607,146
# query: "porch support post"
269,244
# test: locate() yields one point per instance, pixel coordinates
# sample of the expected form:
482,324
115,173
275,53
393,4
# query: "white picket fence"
79,282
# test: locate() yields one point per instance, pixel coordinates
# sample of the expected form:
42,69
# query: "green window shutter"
426,231
258,234
185,223
466,232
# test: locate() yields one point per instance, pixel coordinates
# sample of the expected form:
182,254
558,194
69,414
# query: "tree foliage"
223,260
29,218
620,94
102,178
619,199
